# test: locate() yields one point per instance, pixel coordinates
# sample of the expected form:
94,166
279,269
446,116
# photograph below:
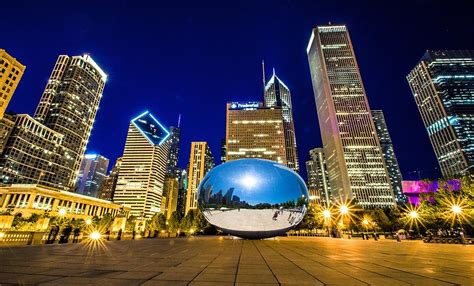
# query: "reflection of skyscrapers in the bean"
227,199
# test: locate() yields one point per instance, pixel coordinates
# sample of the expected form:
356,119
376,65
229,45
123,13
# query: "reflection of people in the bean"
275,215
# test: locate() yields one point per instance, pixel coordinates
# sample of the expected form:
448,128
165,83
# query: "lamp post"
365,222
327,219
343,211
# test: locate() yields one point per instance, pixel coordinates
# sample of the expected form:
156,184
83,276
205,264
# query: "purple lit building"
413,189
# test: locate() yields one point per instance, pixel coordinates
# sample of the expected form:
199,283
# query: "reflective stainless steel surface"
253,198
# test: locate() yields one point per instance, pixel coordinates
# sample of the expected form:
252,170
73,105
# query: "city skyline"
306,124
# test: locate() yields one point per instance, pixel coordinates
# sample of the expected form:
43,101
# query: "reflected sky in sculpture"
253,198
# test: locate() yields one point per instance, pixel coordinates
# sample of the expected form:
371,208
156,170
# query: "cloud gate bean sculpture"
253,198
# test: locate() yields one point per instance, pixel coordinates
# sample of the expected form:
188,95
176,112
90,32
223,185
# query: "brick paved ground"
213,261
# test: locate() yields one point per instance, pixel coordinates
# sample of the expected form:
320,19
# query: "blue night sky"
191,58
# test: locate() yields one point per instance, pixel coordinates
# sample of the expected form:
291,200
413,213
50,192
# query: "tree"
156,223
189,221
174,222
130,225
310,220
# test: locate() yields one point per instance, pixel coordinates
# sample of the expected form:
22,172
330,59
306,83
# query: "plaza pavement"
223,261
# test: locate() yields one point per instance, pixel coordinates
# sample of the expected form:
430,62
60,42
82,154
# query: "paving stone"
213,261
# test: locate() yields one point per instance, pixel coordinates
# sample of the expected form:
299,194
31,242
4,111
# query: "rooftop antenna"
263,74
179,120
273,70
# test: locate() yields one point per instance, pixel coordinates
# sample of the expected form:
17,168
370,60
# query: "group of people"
293,217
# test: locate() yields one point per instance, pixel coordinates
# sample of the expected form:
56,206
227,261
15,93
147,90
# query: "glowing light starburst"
456,209
95,239
346,210
413,216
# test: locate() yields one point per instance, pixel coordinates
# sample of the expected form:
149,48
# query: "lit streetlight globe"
95,235
413,214
253,198
344,209
326,214
456,209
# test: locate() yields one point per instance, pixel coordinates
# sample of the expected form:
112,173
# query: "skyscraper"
107,188
253,131
318,179
314,195
144,164
170,195
391,161
354,159
6,126
223,151
91,174
69,105
11,71
277,94
182,192
443,86
200,162
173,155
33,154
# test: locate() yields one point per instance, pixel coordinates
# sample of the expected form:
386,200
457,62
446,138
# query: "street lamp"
88,221
62,212
327,219
413,214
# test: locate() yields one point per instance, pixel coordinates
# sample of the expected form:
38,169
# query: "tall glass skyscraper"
201,161
443,86
277,94
173,155
391,161
69,105
318,179
144,162
92,173
354,158
107,188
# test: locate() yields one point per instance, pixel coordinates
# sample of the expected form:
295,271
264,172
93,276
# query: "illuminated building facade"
354,159
253,131
173,155
314,196
108,185
29,199
182,192
33,154
7,122
11,71
170,195
143,168
223,151
443,86
91,174
391,161
277,94
318,179
201,161
69,105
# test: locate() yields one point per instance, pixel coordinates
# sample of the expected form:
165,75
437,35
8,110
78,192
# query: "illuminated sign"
151,128
249,105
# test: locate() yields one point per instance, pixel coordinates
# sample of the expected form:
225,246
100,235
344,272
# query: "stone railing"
17,238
